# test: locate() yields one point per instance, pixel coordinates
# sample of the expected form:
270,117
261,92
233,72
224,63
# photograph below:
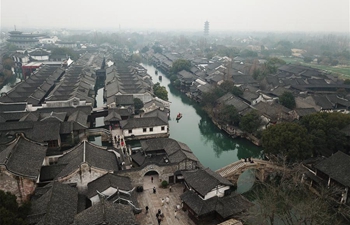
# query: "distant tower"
206,28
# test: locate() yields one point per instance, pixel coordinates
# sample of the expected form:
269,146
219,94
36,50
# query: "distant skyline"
223,15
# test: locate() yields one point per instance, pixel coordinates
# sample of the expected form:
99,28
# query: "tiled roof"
336,167
55,203
106,181
23,157
204,180
227,206
106,213
175,151
94,155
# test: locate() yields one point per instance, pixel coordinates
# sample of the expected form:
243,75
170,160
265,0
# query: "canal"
213,147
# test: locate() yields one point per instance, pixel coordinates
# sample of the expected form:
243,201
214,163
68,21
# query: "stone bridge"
262,168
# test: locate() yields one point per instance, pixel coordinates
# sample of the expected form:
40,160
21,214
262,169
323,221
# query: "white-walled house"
152,124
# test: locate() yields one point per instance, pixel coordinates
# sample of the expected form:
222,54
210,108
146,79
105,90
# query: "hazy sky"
246,15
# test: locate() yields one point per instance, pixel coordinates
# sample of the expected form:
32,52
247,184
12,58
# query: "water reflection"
213,147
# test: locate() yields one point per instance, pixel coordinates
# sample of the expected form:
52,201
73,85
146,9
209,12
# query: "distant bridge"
262,167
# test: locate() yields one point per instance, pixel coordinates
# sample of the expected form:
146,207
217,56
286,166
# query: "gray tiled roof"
106,213
95,156
142,122
176,151
56,203
204,180
23,157
336,167
227,206
10,107
112,116
106,181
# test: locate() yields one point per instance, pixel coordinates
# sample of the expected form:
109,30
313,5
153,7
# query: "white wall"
139,131
217,192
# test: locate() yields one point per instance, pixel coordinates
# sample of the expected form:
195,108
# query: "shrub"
164,184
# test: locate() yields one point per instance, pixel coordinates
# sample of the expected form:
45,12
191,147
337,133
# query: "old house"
106,213
208,196
334,173
151,124
169,154
186,79
55,203
20,163
85,163
113,187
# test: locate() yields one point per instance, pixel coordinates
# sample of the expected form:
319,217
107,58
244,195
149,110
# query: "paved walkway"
121,146
154,202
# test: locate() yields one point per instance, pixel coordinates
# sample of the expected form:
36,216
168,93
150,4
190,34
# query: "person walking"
162,201
146,209
167,200
175,214
152,179
154,190
170,188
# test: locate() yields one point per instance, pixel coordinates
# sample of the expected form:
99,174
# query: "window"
144,130
130,131
162,128
151,129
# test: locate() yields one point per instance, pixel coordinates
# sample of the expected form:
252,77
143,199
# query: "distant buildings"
23,40
206,28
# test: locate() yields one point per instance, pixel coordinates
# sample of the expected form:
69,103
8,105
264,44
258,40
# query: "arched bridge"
262,167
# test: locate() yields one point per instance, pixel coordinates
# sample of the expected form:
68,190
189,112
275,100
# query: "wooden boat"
179,116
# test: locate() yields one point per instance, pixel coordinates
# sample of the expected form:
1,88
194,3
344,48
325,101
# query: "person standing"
175,214
162,201
170,188
154,190
146,209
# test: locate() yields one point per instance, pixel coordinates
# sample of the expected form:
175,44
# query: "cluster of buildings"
314,90
45,156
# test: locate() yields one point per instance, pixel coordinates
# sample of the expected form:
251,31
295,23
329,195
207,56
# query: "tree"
288,140
229,86
228,114
250,122
180,64
325,130
136,58
144,49
284,200
10,213
287,99
307,59
157,49
138,104
160,91
65,51
209,98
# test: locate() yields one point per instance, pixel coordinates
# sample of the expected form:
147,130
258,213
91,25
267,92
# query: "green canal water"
212,146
